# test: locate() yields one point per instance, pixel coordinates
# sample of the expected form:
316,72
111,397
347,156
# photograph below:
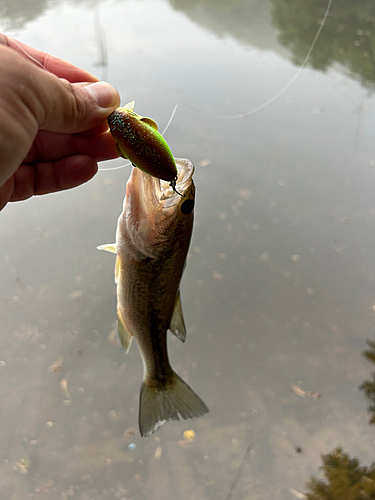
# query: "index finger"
53,64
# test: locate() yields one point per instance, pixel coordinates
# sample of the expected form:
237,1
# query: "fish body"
137,139
152,240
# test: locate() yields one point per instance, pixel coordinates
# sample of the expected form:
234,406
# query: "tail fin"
159,404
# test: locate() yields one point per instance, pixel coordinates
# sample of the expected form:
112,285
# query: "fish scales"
147,308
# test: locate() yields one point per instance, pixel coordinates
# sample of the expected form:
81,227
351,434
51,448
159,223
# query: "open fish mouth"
158,193
185,170
151,202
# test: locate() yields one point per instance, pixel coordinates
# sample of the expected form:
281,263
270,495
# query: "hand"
53,127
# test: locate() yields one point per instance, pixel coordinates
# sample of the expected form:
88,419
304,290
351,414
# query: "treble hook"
173,186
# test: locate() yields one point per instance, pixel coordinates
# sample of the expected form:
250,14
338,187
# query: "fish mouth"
158,194
171,194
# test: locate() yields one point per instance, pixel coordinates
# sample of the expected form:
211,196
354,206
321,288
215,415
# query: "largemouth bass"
152,240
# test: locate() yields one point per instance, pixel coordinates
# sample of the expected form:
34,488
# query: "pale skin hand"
53,129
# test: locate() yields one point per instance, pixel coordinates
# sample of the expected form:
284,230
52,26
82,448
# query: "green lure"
137,139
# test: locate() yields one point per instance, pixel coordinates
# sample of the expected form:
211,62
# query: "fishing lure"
137,139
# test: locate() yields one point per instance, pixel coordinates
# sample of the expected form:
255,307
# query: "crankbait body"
137,139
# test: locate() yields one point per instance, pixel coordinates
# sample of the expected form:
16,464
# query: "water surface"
278,293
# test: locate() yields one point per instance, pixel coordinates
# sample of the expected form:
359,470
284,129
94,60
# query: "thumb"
74,107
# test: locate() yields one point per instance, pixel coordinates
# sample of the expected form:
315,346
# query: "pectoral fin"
177,326
108,247
123,334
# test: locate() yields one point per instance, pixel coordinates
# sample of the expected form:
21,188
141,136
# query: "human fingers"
33,99
49,146
6,192
53,64
49,177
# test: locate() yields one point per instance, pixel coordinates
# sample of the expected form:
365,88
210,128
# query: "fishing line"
239,472
278,94
114,168
290,83
257,108
170,119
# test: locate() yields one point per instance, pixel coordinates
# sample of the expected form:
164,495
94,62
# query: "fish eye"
187,207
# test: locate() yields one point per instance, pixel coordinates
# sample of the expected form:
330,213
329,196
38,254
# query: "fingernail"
105,95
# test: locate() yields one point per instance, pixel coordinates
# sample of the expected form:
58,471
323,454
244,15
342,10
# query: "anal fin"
177,326
123,334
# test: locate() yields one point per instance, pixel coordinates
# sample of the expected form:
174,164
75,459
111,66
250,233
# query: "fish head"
157,216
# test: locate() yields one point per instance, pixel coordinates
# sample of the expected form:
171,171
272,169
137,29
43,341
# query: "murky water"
278,293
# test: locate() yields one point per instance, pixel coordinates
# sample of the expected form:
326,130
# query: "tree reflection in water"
343,479
368,386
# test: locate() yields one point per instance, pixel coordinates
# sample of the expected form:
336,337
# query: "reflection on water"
344,478
278,294
368,386
346,39
17,14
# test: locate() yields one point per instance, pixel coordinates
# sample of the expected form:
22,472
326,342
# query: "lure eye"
187,207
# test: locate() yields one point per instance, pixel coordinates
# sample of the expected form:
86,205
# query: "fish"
152,240
138,140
